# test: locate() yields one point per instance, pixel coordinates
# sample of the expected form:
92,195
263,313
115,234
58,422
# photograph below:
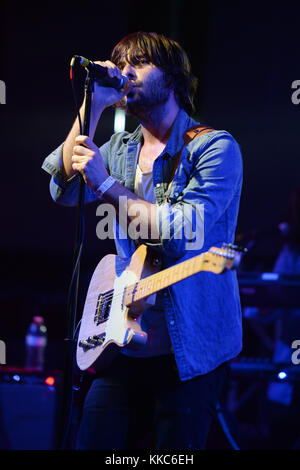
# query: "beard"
141,102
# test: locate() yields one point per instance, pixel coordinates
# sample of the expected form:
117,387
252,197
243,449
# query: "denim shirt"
202,312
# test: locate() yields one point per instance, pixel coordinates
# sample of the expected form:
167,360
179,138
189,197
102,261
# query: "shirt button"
158,185
172,322
176,194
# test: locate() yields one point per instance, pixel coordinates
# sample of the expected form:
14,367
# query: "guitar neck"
161,280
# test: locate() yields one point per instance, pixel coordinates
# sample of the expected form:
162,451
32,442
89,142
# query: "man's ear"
169,81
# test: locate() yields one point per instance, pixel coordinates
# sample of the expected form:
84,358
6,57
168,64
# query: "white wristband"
105,186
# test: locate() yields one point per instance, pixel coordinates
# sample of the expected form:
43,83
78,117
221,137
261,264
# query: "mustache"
135,84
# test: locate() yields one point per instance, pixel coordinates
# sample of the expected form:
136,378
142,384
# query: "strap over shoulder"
189,135
195,131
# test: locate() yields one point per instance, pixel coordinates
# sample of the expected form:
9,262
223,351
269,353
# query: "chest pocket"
181,178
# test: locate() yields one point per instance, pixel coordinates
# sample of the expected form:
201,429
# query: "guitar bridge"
103,307
92,342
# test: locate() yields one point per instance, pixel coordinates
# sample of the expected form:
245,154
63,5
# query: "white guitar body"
117,288
106,324
117,330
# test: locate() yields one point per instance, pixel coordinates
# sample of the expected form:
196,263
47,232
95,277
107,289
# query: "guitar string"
129,290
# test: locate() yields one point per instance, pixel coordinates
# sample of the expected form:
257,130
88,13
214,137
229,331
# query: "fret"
163,279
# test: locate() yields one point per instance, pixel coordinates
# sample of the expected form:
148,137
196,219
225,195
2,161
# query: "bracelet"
105,186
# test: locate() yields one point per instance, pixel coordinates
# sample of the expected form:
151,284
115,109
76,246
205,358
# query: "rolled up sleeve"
181,227
66,192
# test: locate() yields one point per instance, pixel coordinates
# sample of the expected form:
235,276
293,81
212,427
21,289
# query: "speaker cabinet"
28,410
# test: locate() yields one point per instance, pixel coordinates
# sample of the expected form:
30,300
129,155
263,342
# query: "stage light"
282,375
50,381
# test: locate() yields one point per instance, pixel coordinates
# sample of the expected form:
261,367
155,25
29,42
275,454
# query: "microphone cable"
225,428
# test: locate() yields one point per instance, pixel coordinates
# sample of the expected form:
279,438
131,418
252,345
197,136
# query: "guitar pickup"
92,342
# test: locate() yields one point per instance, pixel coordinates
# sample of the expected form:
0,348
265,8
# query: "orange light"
50,381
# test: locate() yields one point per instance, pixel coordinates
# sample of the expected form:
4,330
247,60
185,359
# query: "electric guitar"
118,291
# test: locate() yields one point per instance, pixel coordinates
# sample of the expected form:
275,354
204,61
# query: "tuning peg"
230,246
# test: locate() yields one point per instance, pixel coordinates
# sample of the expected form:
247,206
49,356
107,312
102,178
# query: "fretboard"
163,279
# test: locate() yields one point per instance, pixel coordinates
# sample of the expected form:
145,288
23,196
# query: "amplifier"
29,405
270,290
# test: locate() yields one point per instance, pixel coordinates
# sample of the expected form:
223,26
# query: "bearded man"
188,191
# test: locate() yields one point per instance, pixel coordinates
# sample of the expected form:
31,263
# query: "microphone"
100,73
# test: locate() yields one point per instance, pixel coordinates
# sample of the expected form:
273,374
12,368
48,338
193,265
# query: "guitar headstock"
218,260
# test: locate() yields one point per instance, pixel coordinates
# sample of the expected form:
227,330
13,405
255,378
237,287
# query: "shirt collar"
182,122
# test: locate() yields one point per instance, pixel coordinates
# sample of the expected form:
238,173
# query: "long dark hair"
166,54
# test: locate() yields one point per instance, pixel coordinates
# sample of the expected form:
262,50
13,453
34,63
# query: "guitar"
117,288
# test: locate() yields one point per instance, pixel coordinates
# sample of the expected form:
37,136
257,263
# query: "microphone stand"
70,343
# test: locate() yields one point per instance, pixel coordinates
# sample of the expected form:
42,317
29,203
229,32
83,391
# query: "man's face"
149,89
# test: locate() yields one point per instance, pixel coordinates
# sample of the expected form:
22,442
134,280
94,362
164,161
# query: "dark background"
246,56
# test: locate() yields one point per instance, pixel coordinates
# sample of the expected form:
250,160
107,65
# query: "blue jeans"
142,404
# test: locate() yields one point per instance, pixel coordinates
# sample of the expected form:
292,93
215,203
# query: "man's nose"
129,71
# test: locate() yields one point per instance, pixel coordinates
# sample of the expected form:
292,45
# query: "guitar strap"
188,136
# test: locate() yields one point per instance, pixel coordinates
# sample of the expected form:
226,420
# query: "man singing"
188,191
